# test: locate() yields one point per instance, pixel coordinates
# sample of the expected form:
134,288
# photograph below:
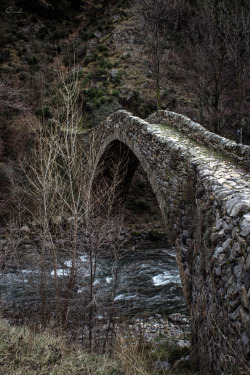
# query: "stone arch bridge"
202,184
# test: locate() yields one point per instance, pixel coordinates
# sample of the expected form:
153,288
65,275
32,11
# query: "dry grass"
24,352
132,356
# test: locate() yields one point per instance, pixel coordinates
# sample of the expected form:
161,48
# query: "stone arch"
207,215
174,193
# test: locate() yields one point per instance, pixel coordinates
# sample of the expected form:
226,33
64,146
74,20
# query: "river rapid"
143,282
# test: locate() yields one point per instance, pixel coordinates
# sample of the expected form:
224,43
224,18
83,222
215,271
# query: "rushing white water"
125,296
165,278
147,281
68,263
84,258
60,272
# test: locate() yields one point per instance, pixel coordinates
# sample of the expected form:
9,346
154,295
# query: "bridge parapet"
240,152
205,203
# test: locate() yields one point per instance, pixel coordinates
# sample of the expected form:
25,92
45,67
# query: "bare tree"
154,18
235,25
66,188
207,59
217,56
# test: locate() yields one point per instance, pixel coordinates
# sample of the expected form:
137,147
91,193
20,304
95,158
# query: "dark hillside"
188,57
112,47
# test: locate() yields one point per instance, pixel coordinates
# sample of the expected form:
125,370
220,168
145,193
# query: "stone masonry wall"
239,152
209,221
220,276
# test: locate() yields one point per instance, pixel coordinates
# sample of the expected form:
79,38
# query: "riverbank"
136,288
24,351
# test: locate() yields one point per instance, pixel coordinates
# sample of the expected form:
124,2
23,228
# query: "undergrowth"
25,352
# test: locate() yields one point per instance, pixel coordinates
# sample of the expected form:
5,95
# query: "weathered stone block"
190,182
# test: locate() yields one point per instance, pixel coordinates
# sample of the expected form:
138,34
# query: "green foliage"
86,79
101,61
104,63
93,92
99,27
108,25
100,72
92,8
155,234
117,80
69,60
85,35
90,59
115,93
167,350
95,97
50,26
123,13
103,99
5,69
136,233
101,48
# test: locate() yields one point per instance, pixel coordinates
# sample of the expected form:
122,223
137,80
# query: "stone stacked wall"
209,221
239,152
220,276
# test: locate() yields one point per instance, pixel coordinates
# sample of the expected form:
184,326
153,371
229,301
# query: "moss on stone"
155,235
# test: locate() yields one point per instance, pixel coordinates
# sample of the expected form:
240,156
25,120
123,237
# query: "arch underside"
174,195
117,154
118,161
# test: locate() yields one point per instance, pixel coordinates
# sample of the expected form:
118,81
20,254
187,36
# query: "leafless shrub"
65,204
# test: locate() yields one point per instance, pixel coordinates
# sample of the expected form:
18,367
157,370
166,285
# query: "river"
147,282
